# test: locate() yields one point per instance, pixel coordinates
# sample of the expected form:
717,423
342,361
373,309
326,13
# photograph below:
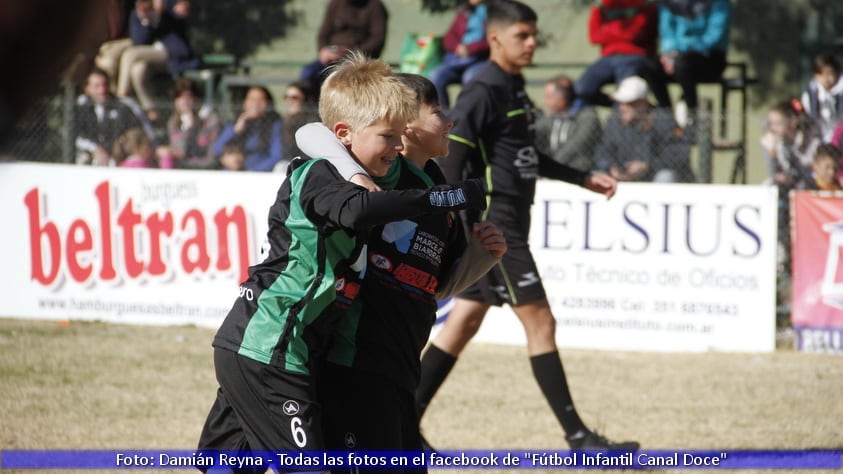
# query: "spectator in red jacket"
466,49
626,31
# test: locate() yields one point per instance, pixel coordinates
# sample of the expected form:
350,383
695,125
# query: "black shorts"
261,408
515,279
362,411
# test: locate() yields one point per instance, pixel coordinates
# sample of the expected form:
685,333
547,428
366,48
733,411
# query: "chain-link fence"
588,138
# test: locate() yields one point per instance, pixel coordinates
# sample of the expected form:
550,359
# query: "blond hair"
129,143
360,91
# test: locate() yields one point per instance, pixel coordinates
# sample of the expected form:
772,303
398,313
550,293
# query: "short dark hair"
828,150
424,89
826,60
508,12
184,84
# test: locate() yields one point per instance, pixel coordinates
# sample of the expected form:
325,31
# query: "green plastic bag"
420,53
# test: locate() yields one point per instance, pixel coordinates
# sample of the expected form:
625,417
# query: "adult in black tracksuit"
493,139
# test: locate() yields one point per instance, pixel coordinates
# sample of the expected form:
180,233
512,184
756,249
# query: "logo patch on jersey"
290,407
350,440
428,247
414,277
339,284
379,261
527,162
399,233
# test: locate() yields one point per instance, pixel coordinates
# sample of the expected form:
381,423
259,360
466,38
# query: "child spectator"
825,168
135,150
822,99
274,336
232,157
789,144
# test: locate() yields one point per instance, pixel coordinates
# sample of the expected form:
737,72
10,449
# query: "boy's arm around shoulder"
328,199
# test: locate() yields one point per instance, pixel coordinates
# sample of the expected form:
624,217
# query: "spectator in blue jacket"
257,130
466,49
159,32
694,39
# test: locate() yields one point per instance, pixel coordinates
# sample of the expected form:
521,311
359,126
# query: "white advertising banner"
659,267
128,245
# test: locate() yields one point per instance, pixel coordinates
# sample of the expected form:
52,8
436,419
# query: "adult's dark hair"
508,12
307,88
262,125
425,90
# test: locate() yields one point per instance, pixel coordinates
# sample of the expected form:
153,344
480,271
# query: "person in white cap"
642,142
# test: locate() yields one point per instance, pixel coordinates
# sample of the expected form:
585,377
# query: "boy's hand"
601,183
490,237
365,181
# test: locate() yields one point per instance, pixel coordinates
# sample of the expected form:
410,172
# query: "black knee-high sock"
548,371
436,364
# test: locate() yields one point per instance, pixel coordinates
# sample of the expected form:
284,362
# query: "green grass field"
107,386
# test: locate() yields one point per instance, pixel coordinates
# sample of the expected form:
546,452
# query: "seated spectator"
108,55
641,142
571,130
823,98
134,149
466,49
233,157
257,131
301,108
192,129
626,31
694,39
100,118
788,144
347,25
159,32
825,168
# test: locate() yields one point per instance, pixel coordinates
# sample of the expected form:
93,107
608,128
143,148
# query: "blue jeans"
617,67
454,70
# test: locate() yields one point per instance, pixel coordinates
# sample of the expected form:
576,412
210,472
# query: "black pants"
692,68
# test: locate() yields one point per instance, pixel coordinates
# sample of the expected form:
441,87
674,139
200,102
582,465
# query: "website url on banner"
497,459
119,308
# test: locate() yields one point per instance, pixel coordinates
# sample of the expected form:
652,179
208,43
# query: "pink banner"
817,220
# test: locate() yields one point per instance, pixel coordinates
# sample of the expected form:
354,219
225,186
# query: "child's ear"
409,133
343,133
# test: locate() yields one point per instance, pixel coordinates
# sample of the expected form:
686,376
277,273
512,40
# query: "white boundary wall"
658,267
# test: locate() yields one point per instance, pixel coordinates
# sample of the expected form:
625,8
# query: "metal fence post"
68,140
704,144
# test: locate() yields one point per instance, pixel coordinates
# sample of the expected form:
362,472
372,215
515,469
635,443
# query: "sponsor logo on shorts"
290,407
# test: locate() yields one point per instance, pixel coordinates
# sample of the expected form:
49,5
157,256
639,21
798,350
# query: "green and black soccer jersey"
389,323
313,243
